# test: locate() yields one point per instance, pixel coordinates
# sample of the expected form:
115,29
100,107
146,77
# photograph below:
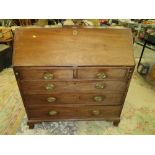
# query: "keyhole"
75,32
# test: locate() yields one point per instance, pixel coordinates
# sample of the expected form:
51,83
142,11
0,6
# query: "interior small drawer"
101,73
43,73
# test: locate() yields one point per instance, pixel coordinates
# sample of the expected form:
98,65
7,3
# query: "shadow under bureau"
73,73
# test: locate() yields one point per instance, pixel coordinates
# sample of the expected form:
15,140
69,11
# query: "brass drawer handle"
98,98
51,99
96,112
48,76
100,85
53,113
50,87
101,75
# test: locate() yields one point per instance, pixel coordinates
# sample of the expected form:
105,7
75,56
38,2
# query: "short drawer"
101,73
40,73
73,112
42,87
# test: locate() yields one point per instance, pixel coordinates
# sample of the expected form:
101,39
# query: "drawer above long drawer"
101,73
42,87
44,73
73,112
57,99
68,73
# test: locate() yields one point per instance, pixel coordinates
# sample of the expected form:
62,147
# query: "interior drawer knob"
96,112
101,75
51,99
50,87
98,98
48,76
100,85
53,113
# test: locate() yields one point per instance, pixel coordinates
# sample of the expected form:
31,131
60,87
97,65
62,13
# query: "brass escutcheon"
96,112
48,76
50,87
75,32
53,113
98,98
51,99
101,75
100,85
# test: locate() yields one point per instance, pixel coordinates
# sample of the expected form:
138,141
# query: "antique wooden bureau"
73,73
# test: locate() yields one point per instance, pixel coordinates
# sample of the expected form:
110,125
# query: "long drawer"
57,99
73,112
63,73
46,87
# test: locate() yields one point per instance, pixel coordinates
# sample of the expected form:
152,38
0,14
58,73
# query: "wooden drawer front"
74,112
100,98
44,74
30,87
101,73
57,99
49,99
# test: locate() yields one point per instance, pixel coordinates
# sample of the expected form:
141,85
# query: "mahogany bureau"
73,73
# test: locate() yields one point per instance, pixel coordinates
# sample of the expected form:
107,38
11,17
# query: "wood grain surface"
72,98
73,73
76,112
60,47
39,87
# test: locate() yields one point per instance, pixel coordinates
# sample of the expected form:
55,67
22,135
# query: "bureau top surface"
73,47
